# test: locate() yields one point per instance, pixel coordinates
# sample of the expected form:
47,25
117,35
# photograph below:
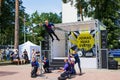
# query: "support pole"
24,29
40,58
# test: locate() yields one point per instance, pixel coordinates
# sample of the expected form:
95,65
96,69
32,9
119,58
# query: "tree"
35,25
0,6
105,11
7,21
108,13
16,41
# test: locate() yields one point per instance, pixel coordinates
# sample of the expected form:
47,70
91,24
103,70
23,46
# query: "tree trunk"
16,39
0,7
81,16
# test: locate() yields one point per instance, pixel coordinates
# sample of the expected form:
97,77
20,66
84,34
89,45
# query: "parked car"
115,52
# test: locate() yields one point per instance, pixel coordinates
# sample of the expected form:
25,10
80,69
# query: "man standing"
48,26
77,60
8,54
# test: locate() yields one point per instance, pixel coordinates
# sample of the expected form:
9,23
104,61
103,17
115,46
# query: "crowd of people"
5,54
13,56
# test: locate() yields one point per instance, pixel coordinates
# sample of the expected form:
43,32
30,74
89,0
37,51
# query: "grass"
5,62
117,59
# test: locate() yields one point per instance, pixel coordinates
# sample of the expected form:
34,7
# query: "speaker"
103,39
104,58
112,64
45,45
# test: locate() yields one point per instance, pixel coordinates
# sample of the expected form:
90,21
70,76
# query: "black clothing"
34,72
46,66
50,31
35,66
25,56
77,60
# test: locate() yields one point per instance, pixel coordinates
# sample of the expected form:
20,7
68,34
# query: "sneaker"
52,40
58,39
80,74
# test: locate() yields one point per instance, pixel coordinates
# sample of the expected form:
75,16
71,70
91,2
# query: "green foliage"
34,24
117,59
7,20
108,12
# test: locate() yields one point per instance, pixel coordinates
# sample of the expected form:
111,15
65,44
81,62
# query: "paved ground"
22,72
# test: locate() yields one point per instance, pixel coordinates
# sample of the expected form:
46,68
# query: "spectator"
25,56
7,54
38,55
33,53
11,55
22,60
1,55
16,55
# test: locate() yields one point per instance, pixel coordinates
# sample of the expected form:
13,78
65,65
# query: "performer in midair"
49,28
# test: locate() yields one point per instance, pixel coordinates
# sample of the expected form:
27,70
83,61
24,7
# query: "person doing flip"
49,28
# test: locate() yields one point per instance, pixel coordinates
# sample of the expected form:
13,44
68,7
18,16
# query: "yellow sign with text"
85,41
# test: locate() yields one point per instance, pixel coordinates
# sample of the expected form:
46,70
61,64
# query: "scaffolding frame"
84,26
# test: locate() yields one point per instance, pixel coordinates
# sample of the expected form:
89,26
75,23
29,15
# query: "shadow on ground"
6,73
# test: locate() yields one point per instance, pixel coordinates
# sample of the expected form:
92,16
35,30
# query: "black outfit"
25,56
50,31
77,60
46,66
67,73
73,69
35,66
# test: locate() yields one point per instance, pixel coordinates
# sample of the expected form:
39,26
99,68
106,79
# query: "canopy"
79,26
28,46
76,26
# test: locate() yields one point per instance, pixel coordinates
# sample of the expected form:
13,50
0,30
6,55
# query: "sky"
54,6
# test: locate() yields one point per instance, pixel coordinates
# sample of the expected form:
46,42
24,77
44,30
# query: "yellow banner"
85,40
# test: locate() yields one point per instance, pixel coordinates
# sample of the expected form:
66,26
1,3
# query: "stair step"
57,60
56,66
57,63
